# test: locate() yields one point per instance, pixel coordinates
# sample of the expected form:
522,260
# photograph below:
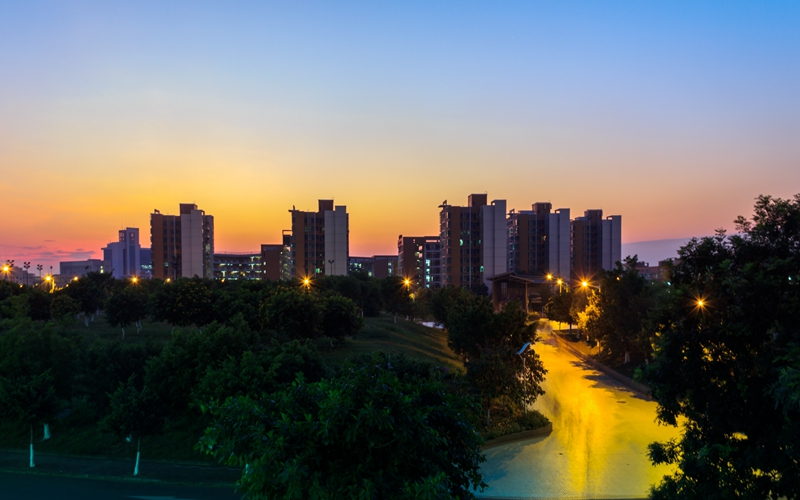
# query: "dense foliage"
726,361
373,431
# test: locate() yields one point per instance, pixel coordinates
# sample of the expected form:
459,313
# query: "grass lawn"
406,337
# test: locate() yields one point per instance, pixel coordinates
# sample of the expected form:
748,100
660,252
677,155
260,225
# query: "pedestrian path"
598,447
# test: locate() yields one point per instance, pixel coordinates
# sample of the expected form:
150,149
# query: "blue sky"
675,115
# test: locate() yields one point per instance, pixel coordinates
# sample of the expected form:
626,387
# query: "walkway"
598,448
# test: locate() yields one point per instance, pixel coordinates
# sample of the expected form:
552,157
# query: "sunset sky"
675,115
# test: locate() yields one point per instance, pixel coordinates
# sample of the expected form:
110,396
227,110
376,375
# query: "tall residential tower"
182,245
320,242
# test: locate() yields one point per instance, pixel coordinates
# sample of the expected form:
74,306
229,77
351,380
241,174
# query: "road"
14,486
598,445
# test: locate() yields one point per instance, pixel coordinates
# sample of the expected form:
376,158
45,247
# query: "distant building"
320,241
146,263
182,245
596,244
377,266
237,266
419,259
539,241
360,265
473,242
655,273
78,268
123,257
384,266
276,260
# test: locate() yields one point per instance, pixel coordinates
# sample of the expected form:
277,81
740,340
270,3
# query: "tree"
366,433
340,317
174,374
396,296
293,314
262,372
63,305
126,306
557,307
133,414
725,361
621,316
36,372
183,302
91,291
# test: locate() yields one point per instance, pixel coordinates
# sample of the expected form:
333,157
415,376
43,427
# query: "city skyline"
675,116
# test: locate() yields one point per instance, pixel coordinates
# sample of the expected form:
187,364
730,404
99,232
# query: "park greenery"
195,356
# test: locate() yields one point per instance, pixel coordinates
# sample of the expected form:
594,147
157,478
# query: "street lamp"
307,283
524,388
26,265
560,284
6,270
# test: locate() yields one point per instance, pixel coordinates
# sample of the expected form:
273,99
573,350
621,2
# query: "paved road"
14,486
599,442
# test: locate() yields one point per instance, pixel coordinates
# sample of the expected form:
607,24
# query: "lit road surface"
598,447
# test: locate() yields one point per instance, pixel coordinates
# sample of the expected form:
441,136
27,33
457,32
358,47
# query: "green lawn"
406,337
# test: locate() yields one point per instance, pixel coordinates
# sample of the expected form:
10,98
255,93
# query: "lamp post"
39,268
524,370
26,265
331,263
6,270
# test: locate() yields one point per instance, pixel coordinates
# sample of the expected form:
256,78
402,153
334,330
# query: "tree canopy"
367,433
726,361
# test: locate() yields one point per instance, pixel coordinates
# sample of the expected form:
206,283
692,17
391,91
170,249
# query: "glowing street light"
134,280
307,283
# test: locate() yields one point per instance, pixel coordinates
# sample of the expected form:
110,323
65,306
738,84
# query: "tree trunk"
32,464
138,447
123,333
395,318
488,414
86,320
46,432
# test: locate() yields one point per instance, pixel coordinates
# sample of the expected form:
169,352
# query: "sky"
675,115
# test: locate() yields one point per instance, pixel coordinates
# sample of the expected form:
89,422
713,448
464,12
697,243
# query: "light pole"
39,268
524,387
26,265
331,263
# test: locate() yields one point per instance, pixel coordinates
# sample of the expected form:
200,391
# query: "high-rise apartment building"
182,245
419,259
123,257
473,242
276,260
596,243
320,241
539,241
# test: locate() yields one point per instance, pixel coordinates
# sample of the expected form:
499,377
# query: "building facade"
320,241
276,262
182,245
237,266
419,259
122,258
596,244
539,241
473,242
78,268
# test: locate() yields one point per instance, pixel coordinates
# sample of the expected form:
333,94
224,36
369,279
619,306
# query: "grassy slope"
406,337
